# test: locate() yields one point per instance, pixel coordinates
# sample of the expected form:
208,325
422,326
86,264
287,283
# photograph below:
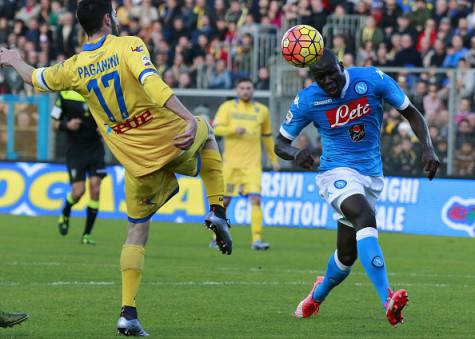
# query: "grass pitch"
190,291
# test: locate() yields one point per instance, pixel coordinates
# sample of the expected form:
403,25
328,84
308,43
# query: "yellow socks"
131,265
256,222
212,175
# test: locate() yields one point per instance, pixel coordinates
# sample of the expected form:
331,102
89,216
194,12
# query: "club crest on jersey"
344,114
361,88
357,132
137,49
340,184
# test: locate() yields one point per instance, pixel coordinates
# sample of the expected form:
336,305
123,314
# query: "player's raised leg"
357,209
212,175
338,268
131,265
72,198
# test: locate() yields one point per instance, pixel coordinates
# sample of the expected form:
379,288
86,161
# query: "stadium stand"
210,44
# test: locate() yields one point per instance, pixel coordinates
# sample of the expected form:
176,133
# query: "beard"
115,29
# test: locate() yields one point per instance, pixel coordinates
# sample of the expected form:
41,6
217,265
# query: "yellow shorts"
241,181
146,194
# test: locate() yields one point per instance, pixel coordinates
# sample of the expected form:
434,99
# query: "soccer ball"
302,45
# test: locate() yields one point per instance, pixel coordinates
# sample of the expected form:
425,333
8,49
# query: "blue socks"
335,274
372,259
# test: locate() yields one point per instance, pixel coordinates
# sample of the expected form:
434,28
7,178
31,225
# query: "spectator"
408,56
429,34
263,81
184,80
235,12
404,27
465,160
66,35
365,52
465,81
445,32
432,102
456,53
391,11
169,78
348,60
470,56
339,46
29,11
417,98
420,14
464,111
405,158
465,132
370,32
441,149
220,77
318,15
382,57
441,11
436,57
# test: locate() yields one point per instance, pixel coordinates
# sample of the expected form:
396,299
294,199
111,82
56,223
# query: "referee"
84,154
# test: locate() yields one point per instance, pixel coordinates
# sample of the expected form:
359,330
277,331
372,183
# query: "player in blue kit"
346,107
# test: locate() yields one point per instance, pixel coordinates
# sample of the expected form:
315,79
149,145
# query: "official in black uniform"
84,155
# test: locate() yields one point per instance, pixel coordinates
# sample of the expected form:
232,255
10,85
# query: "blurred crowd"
209,44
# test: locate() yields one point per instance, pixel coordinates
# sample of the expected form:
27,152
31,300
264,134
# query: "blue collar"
95,45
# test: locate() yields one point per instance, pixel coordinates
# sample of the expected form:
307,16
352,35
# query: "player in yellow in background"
245,123
147,129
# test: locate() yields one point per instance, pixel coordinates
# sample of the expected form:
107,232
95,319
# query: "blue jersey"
349,125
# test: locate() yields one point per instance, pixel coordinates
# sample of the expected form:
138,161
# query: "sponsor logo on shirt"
322,102
357,132
137,49
134,122
353,110
146,61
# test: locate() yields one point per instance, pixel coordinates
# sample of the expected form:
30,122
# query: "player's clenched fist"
431,163
8,56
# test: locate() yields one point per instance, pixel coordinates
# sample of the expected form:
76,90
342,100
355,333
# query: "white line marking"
217,283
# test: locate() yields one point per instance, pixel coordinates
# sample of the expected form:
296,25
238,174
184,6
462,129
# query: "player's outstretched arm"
11,57
419,126
283,148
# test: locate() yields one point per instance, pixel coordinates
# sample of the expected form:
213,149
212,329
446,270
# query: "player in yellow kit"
245,123
146,127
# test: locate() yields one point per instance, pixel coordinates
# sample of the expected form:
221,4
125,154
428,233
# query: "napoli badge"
361,88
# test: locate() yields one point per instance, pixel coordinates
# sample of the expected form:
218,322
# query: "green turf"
190,291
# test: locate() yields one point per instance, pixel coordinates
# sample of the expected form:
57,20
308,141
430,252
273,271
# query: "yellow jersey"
109,73
244,151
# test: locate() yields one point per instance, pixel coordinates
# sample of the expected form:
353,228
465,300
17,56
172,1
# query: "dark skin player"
328,74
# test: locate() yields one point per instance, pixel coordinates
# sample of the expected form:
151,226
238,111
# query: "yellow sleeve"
267,140
221,122
157,89
137,59
54,78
